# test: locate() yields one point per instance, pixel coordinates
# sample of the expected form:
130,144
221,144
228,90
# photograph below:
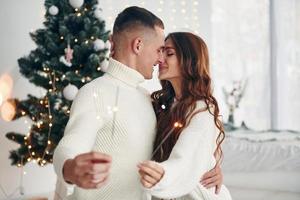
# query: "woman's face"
169,69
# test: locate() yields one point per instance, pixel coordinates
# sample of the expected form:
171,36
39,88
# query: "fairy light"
86,41
29,146
92,37
75,40
76,9
78,14
98,68
23,112
49,142
62,37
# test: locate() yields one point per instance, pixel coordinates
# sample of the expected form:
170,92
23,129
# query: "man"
124,137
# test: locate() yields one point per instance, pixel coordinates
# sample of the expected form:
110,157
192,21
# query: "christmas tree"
72,47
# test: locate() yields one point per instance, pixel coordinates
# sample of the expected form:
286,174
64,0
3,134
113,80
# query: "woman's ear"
137,45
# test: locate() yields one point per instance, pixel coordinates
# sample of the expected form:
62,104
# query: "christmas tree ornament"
99,44
107,45
76,3
104,65
98,14
62,59
68,54
70,92
66,59
53,10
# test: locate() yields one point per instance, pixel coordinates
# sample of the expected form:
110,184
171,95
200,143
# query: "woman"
189,133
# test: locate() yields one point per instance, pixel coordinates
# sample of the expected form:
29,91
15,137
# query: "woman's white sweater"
128,138
191,157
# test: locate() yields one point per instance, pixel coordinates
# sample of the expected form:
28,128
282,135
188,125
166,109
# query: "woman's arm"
190,158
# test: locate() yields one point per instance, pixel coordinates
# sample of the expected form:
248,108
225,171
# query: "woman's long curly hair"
192,55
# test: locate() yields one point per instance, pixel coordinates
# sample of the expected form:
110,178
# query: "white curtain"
241,51
287,63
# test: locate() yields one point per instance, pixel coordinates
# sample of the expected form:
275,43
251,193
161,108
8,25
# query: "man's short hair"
134,17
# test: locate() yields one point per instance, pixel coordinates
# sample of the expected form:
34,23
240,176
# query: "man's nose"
161,58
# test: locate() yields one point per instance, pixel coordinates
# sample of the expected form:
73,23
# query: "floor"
250,194
237,194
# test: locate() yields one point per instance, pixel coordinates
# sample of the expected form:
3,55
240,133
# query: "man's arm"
73,160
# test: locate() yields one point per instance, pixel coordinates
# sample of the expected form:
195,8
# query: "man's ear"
137,45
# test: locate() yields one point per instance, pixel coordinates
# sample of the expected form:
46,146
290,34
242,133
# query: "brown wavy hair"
192,54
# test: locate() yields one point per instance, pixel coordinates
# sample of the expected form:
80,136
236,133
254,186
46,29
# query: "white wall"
17,18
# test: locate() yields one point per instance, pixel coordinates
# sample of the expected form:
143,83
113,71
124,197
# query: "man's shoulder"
143,90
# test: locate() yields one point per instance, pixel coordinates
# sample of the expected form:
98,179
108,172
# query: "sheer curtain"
287,63
241,51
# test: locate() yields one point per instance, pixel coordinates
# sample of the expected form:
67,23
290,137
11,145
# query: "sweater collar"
124,73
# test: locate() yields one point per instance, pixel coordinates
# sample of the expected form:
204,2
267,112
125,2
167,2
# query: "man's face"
152,53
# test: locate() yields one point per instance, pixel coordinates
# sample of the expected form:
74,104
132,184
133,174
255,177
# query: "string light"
78,14
62,37
76,40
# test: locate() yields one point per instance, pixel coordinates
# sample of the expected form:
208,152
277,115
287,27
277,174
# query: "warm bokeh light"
6,86
8,110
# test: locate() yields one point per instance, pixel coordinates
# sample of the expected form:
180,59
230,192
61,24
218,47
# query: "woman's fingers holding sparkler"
151,173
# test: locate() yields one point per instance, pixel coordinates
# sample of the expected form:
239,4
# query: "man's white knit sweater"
128,138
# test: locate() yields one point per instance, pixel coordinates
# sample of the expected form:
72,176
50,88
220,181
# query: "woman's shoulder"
204,110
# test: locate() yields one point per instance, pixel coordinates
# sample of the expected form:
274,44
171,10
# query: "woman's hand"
151,173
213,178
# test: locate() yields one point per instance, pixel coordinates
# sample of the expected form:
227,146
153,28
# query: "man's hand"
89,170
150,172
213,178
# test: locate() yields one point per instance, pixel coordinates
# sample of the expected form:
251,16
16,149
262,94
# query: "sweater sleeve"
81,130
190,158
